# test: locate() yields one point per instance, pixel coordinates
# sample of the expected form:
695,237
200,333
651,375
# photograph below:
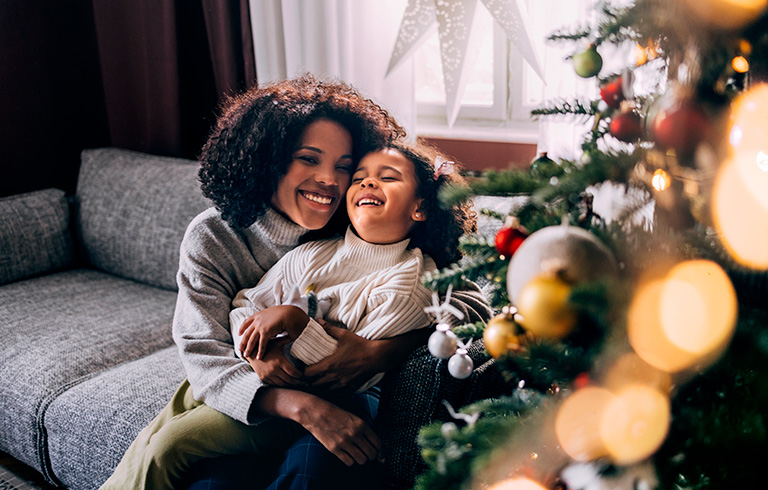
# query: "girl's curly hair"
438,236
256,134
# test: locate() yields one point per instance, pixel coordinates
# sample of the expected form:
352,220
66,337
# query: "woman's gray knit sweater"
216,262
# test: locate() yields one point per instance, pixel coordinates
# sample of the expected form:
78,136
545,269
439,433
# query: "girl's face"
382,201
310,191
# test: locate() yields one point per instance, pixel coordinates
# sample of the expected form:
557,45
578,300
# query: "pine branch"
561,106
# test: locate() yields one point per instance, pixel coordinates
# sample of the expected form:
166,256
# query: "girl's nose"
368,182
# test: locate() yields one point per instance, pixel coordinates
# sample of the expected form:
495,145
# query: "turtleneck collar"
370,256
284,232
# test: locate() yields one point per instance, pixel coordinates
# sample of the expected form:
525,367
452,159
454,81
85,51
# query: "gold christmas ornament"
502,333
544,309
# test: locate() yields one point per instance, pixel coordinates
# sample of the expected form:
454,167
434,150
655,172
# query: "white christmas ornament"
580,255
443,342
459,40
460,365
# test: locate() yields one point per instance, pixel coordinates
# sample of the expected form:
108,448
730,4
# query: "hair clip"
442,167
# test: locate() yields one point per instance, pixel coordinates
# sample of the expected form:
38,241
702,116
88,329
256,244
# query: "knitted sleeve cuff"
314,344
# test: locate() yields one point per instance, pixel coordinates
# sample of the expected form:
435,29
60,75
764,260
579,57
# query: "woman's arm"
342,433
356,359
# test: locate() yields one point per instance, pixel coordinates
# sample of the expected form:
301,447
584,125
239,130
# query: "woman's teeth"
317,198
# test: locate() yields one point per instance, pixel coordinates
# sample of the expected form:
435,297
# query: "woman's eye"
308,159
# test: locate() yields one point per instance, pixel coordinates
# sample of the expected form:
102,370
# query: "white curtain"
351,40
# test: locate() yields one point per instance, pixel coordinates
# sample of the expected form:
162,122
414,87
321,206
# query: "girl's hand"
258,329
275,369
342,433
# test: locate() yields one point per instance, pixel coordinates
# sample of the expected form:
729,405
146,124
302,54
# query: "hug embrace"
297,291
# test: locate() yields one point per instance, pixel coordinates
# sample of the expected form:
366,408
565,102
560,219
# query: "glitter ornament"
578,254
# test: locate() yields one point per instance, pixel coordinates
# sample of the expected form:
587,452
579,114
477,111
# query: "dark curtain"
146,75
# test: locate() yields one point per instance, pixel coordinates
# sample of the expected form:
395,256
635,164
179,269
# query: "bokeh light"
578,420
635,423
516,484
739,218
698,307
660,179
740,64
684,318
748,125
727,14
631,369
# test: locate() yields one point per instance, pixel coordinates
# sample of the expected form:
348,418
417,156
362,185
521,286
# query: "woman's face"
318,175
382,201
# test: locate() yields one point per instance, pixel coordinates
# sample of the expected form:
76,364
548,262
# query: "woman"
275,168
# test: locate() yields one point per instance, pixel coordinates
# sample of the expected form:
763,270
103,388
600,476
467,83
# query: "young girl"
370,279
275,167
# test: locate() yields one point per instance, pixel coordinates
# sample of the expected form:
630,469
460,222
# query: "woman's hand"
274,368
354,361
342,433
258,329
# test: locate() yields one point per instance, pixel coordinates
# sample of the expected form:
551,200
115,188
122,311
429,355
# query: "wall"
485,155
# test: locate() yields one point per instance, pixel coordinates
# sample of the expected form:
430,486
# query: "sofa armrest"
35,236
412,396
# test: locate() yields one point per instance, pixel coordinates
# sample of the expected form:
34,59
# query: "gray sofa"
87,294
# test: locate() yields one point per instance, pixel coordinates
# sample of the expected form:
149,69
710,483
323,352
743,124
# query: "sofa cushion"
60,329
132,211
34,234
90,426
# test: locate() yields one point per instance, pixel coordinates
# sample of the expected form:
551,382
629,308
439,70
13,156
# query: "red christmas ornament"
509,238
627,126
681,127
612,92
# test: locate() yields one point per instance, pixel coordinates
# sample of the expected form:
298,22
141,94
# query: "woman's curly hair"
251,146
438,236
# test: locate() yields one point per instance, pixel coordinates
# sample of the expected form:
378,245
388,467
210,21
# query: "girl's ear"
419,214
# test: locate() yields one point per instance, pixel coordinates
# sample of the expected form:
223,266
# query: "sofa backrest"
34,234
132,210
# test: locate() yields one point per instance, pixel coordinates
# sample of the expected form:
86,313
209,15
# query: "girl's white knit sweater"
373,290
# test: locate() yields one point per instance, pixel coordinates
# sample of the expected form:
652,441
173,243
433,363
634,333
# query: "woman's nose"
326,177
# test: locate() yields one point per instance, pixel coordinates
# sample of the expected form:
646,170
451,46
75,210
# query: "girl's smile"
382,201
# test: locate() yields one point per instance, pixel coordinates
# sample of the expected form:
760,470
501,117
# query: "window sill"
527,132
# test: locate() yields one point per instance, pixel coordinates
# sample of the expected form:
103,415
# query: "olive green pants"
185,432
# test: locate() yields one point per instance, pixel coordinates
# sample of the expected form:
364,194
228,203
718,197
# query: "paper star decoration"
440,310
458,40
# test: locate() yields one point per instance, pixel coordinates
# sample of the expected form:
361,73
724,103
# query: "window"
502,88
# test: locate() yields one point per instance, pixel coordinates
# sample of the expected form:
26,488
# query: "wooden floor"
17,476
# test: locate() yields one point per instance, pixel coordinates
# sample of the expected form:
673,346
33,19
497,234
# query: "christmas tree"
635,353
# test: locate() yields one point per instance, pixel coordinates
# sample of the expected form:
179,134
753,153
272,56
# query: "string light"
740,64
660,180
